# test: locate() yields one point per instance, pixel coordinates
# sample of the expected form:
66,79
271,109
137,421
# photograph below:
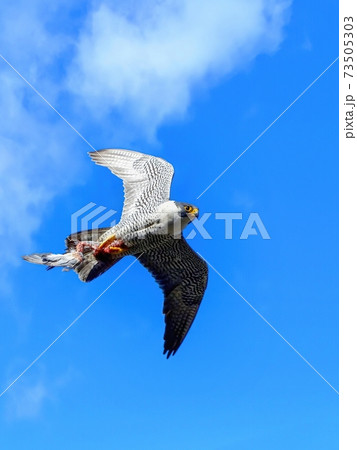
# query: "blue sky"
195,85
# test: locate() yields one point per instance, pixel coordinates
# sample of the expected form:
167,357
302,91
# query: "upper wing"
182,275
147,179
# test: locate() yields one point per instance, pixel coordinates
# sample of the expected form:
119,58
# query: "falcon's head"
187,212
177,215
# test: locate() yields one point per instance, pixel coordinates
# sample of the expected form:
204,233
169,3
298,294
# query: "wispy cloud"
35,146
146,62
143,60
28,399
34,156
27,402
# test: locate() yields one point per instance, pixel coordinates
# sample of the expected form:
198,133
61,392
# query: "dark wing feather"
182,275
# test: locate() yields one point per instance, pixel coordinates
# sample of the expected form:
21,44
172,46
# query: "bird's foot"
117,249
106,243
112,246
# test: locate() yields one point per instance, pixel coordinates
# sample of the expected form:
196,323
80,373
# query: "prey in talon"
150,229
111,245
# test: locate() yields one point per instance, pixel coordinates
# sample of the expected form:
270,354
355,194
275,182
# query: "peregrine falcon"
150,229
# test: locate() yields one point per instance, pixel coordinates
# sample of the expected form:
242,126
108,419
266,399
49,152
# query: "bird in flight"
150,229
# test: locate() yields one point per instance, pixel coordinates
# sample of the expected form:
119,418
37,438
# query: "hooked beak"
193,215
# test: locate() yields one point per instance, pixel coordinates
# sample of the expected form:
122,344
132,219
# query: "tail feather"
91,268
66,260
85,264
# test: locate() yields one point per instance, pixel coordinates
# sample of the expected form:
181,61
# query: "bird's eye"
188,208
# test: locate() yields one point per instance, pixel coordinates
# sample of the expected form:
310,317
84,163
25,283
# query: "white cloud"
26,400
147,61
35,145
34,155
142,59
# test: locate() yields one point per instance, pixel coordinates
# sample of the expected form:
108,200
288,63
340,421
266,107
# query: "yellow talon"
105,247
108,241
117,249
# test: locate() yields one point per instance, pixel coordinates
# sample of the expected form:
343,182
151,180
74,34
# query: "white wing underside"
147,179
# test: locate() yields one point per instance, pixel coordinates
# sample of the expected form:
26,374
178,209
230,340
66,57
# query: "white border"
348,249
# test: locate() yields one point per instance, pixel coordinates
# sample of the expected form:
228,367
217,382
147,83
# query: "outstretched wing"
147,179
182,275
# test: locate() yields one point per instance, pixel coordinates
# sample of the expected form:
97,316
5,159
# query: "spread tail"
83,262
